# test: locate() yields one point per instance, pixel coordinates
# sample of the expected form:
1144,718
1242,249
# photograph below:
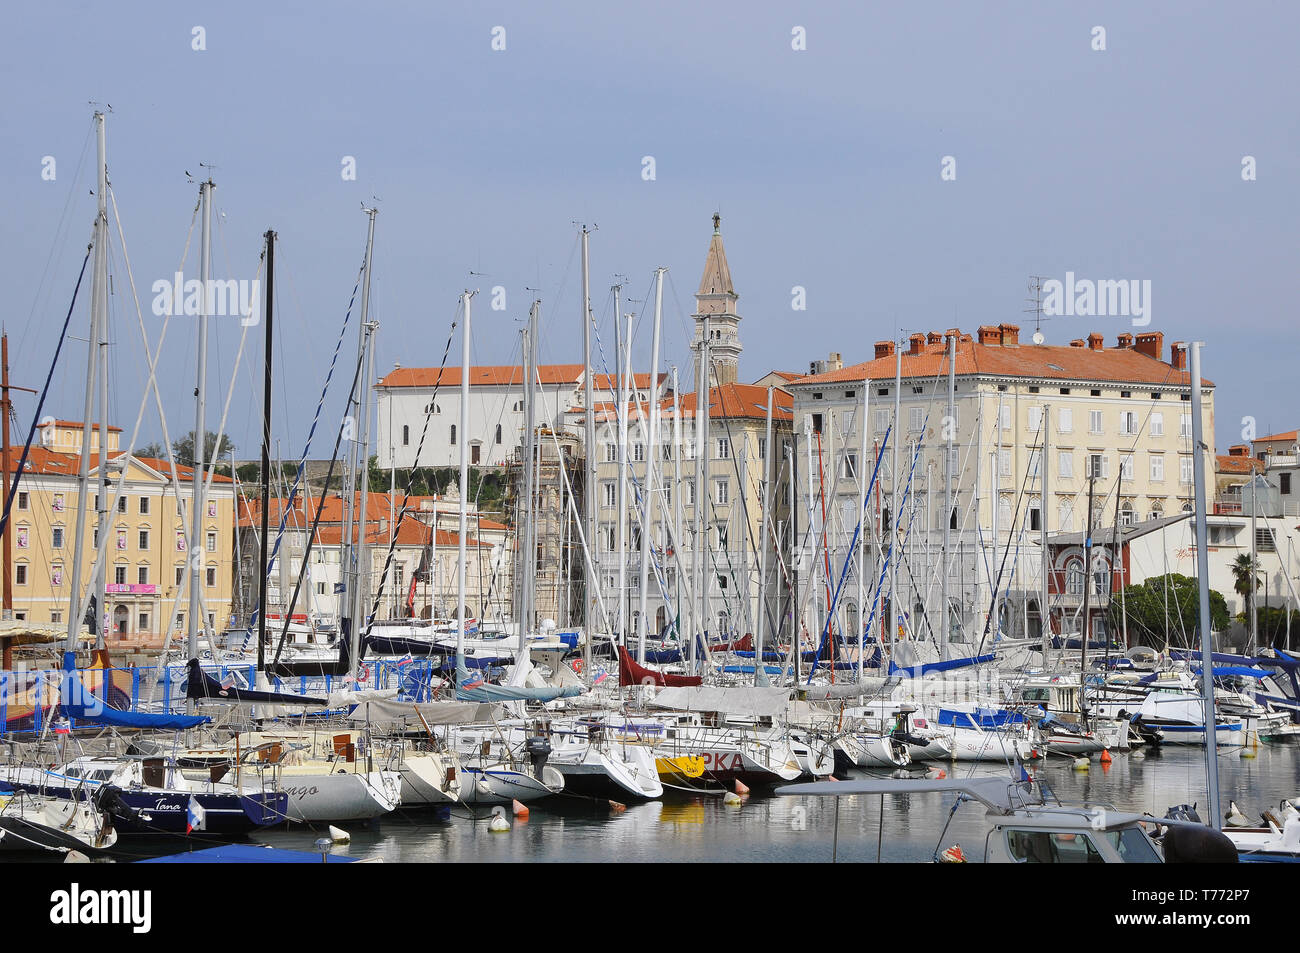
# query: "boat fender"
365,673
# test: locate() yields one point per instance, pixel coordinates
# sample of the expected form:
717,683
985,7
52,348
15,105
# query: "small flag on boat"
228,682
196,818
475,681
407,660
601,675
1024,775
339,588
61,727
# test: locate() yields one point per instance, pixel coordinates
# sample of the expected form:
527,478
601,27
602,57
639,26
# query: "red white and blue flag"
196,818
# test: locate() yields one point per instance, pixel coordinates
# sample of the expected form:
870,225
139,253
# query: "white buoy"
1248,752
1081,764
75,857
339,836
482,787
732,799
498,824
1137,755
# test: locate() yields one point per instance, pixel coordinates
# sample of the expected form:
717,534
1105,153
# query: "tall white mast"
949,474
652,451
464,491
893,497
200,422
357,595
1044,614
1203,592
766,500
620,404
701,555
589,491
98,316
862,518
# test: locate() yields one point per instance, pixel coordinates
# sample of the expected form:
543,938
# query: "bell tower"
716,301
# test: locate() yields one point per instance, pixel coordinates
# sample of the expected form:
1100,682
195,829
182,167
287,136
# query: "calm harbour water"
768,828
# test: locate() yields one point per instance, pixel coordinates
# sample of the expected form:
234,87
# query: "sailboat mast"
893,498
463,523
1044,614
652,453
620,403
1087,602
1203,595
589,481
200,421
701,554
862,513
361,569
768,496
83,471
266,449
101,497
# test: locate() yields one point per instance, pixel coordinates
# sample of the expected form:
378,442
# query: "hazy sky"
1122,163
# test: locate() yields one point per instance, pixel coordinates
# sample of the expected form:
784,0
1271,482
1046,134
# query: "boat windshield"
1133,846
1052,847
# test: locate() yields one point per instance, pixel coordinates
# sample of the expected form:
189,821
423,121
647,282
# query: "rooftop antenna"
1036,289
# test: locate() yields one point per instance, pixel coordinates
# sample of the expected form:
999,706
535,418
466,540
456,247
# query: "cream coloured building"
147,553
1123,409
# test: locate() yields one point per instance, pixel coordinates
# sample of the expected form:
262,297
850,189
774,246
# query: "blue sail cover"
81,704
481,691
916,671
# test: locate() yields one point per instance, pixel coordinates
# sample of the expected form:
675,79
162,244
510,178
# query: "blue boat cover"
247,854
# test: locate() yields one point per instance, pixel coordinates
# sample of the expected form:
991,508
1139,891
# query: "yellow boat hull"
683,767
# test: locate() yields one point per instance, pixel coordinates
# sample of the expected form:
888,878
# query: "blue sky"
825,165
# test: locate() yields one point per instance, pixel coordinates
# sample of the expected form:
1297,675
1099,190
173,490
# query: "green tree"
184,448
1149,623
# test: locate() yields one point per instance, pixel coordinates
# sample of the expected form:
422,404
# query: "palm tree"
1245,575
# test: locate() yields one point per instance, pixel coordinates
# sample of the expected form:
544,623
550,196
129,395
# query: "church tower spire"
716,301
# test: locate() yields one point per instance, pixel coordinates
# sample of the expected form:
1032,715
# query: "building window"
1006,417
144,506
1157,425
121,504
22,499
1126,466
916,418
1035,462
180,575
1185,426
1065,512
882,421
638,452
1074,578
817,423
762,448
610,538
406,435
320,588
724,447
1185,469
1098,465
690,492
611,453
850,467
1157,468
211,576
142,622
142,575
56,538
1126,513
498,433
1035,518
432,409
1065,419
212,542
722,492
56,616
1128,423
20,574
610,491
1035,418
119,575
143,539
453,435
1094,421
1004,463
1285,479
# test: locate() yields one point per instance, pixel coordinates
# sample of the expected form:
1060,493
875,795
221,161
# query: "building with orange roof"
1121,410
424,549
147,552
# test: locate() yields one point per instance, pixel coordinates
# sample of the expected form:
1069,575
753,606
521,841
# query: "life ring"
365,673
577,666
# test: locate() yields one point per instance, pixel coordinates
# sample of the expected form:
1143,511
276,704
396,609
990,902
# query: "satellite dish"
1038,337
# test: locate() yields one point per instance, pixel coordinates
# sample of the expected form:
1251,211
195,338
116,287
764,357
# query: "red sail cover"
629,673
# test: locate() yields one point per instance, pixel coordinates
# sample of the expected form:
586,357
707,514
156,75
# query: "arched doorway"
121,621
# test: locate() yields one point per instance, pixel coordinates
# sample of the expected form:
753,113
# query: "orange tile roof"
1231,464
411,532
729,401
53,463
610,381
1051,362
1289,435
77,424
504,374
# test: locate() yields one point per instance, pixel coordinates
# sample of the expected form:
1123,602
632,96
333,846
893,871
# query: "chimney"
934,337
989,334
1178,356
884,349
1094,341
1078,342
1010,335
1124,340
1152,344
917,342
836,361
1240,450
